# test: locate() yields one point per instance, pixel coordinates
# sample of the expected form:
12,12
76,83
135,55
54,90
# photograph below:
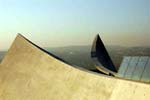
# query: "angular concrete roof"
28,72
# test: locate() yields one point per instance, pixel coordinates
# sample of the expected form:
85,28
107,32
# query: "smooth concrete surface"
28,73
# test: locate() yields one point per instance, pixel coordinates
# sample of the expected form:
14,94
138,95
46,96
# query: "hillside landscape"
2,53
80,55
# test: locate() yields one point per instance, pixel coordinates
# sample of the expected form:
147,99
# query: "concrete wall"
27,73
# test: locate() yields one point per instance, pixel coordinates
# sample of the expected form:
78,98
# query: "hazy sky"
75,22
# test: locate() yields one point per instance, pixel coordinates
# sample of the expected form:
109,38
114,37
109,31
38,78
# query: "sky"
54,23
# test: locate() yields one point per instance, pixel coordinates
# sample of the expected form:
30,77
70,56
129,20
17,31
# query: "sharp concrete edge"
28,73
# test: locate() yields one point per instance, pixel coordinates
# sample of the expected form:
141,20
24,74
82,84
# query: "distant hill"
2,53
76,55
80,55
